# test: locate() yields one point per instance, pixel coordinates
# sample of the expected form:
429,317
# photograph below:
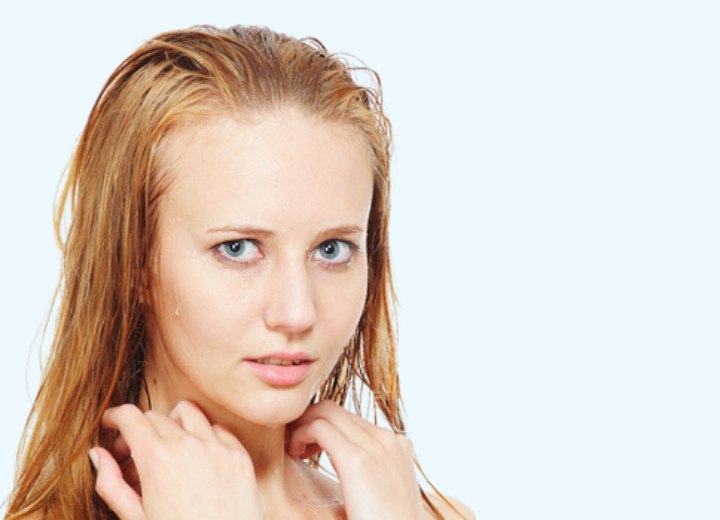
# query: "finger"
332,411
189,416
166,426
354,427
130,475
320,434
132,425
121,452
120,449
226,437
113,489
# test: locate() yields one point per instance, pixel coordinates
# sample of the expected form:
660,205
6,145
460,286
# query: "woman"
226,289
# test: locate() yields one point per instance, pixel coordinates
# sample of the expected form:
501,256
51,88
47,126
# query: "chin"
274,408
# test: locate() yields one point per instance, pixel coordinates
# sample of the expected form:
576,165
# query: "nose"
291,305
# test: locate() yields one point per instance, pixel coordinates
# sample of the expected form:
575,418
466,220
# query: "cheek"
342,310
196,314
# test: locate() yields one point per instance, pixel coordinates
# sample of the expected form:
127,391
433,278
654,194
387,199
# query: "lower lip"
281,375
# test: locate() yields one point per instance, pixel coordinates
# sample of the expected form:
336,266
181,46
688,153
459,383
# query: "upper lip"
287,356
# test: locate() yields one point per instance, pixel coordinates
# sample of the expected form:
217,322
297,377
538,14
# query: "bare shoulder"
447,511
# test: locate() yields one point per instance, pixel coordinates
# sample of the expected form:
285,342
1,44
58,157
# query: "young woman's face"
261,272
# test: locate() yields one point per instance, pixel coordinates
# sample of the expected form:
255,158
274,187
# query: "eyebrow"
261,232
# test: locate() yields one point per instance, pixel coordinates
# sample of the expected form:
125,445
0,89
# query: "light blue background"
555,230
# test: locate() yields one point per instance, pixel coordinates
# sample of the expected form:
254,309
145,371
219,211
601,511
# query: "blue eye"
336,251
237,249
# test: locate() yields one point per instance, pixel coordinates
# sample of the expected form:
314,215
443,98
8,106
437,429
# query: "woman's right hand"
187,468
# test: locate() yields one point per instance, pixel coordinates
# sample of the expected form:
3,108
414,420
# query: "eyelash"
354,249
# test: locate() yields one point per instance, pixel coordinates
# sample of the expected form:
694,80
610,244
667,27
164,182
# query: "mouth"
280,362
282,369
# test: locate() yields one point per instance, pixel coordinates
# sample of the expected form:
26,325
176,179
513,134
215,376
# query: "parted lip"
286,356
283,369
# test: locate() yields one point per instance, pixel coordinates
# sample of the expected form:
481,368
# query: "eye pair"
331,253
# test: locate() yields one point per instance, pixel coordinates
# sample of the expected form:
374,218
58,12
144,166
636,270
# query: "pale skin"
221,441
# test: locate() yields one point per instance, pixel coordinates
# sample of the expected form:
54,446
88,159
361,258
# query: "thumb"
112,488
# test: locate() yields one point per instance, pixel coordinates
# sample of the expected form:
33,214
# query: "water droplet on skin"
194,254
177,312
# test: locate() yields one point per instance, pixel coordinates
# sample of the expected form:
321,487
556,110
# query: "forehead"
283,165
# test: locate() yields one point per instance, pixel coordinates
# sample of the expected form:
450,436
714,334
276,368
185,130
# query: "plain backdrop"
555,230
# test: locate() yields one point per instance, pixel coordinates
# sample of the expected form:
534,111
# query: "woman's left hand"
375,466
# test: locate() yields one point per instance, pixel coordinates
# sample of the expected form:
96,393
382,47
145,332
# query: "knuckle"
127,409
186,406
183,406
152,414
318,426
222,431
326,403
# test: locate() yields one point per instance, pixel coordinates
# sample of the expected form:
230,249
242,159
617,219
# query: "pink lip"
280,375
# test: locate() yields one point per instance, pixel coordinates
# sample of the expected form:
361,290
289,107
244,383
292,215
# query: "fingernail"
93,458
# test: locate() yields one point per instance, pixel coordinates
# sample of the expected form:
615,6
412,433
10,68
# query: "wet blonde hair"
112,192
